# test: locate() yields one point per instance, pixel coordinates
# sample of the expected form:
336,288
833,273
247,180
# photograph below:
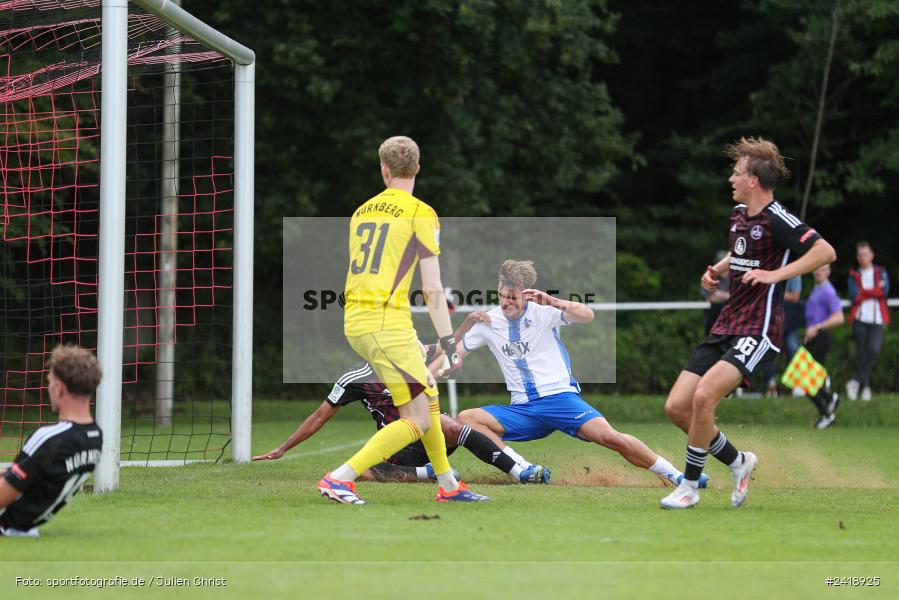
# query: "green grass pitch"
823,504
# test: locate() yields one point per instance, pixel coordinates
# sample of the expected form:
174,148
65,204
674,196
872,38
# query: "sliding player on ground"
389,234
523,335
764,238
360,384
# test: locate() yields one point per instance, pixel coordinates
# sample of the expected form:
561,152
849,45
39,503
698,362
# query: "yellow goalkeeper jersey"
388,235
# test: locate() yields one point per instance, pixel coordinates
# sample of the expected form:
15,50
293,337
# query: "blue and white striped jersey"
529,351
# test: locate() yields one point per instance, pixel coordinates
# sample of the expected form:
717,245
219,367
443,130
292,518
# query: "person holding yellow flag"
823,311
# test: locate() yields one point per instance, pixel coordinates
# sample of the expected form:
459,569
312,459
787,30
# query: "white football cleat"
742,475
26,533
825,421
852,389
683,496
866,394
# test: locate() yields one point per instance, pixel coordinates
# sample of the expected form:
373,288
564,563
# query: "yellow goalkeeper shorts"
395,356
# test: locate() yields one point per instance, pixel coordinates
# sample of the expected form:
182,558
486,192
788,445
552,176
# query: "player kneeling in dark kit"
360,383
56,459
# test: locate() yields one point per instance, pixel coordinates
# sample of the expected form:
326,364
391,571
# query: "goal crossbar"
176,16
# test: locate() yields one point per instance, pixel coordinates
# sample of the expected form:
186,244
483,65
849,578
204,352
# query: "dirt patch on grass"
586,475
796,462
613,479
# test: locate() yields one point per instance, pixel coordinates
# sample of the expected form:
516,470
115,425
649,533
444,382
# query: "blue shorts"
534,420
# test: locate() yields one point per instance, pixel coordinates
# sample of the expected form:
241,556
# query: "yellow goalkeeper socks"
436,448
389,440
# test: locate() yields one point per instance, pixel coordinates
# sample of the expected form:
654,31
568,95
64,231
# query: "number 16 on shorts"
745,346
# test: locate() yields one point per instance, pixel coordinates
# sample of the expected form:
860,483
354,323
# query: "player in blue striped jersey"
523,335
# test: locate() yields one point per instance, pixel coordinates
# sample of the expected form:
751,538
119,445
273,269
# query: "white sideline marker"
179,463
346,446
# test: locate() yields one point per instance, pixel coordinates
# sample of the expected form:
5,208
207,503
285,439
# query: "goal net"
179,226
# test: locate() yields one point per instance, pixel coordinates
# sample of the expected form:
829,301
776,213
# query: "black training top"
54,463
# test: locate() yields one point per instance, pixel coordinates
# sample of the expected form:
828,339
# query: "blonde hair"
517,274
77,368
400,154
763,160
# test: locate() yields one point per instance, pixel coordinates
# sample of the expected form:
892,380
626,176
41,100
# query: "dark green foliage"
504,100
653,348
574,108
732,69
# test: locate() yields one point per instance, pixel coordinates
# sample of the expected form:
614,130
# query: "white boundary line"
146,463
346,446
294,456
179,463
162,463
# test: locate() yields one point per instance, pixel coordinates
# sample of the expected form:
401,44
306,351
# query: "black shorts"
819,346
414,455
749,353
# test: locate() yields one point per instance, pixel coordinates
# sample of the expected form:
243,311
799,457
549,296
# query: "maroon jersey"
767,241
361,383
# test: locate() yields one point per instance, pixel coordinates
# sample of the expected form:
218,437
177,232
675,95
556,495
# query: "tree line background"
578,108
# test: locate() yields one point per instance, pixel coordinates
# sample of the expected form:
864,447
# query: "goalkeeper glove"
452,360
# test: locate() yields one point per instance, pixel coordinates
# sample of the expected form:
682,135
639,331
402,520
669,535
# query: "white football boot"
683,496
825,421
742,475
852,389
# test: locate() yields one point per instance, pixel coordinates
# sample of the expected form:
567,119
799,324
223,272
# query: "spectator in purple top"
823,310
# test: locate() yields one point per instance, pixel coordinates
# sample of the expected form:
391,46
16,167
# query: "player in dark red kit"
56,459
360,384
768,245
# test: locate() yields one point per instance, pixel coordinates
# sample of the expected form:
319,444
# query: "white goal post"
112,225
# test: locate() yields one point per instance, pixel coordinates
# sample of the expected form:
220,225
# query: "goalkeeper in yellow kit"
389,234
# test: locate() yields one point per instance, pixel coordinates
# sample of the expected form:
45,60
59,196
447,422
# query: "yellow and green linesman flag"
804,372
